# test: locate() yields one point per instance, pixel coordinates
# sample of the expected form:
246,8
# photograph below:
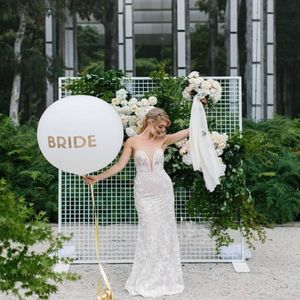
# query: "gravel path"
274,274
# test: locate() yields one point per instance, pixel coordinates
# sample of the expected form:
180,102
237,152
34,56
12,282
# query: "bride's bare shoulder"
132,142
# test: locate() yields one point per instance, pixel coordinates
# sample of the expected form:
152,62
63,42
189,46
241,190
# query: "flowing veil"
203,154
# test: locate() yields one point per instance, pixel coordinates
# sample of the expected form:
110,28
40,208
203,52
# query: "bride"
156,270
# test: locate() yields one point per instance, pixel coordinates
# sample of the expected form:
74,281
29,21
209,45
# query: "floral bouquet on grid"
207,91
131,110
219,141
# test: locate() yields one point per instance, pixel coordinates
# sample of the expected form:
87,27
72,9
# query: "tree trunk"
110,23
15,93
213,35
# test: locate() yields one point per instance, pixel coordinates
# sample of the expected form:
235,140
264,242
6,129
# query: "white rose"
130,131
222,146
193,74
144,102
115,101
152,100
126,110
133,101
186,94
133,107
124,120
121,94
187,159
219,152
183,150
124,102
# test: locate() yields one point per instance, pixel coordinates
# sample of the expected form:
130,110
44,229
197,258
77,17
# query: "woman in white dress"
156,270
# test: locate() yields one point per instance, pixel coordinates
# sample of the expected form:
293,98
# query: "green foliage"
23,271
272,166
230,206
101,84
90,51
25,168
199,50
34,65
168,91
143,66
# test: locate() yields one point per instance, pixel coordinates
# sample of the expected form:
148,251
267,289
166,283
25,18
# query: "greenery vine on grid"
101,84
230,206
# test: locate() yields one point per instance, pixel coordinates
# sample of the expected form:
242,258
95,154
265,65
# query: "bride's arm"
177,136
116,168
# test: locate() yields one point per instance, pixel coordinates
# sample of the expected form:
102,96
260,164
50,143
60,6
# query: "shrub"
23,271
272,167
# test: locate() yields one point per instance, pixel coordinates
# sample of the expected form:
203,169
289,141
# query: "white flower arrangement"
219,140
209,89
132,111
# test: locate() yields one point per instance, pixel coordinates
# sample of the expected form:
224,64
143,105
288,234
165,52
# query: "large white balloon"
80,134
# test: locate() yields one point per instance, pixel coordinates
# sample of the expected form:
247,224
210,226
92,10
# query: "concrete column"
50,53
270,61
233,38
121,34
257,60
70,45
129,39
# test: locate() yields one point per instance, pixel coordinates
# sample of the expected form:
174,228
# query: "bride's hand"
204,101
90,179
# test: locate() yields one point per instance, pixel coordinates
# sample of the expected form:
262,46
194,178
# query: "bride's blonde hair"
157,115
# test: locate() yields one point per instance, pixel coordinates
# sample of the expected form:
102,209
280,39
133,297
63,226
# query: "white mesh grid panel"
115,201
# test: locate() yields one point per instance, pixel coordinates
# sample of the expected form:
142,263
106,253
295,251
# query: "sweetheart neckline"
149,160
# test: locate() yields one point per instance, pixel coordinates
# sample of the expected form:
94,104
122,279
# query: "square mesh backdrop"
115,201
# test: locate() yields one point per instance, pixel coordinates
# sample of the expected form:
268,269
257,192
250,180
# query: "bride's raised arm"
116,168
177,136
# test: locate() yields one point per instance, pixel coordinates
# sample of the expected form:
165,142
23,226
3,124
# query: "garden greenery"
25,169
24,271
272,167
101,84
262,176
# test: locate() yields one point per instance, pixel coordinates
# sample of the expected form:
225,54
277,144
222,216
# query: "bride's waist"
141,172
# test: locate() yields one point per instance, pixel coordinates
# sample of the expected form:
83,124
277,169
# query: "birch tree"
22,8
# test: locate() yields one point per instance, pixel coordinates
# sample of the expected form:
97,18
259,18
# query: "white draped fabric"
203,154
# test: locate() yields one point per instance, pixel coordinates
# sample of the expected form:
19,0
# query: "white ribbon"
203,154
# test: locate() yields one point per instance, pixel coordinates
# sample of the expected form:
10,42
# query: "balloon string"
108,293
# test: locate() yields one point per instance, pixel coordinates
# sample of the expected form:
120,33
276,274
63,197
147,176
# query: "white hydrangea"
132,111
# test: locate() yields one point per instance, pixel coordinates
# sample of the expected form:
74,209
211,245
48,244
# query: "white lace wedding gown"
156,270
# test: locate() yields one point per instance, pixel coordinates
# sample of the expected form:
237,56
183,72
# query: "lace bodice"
145,164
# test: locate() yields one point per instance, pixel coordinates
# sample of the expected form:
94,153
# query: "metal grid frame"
115,200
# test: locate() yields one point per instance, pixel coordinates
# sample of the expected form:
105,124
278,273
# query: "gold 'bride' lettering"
76,141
